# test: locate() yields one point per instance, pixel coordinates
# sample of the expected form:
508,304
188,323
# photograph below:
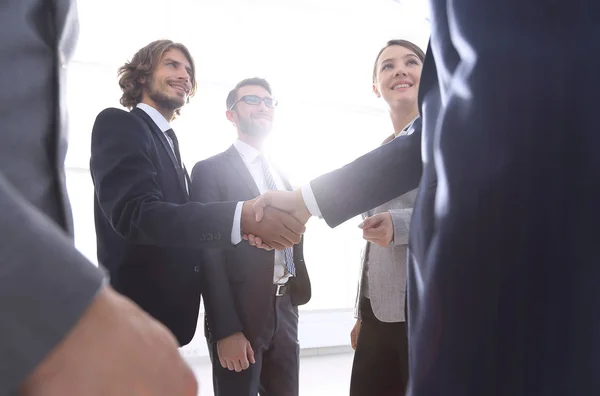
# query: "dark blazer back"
423,212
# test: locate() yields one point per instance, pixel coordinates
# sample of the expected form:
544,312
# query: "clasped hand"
275,220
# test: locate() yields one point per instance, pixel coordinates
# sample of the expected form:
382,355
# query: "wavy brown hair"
141,67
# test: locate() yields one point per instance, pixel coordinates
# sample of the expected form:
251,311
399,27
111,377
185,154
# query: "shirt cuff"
310,201
236,230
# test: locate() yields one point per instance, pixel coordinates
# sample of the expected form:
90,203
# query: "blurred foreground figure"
63,331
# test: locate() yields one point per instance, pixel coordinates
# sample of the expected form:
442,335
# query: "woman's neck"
400,119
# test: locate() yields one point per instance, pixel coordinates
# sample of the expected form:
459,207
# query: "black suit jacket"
244,275
146,226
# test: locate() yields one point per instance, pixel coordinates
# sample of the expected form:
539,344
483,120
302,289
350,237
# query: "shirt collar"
407,127
248,153
158,118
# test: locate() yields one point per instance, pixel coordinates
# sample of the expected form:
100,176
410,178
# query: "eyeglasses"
254,100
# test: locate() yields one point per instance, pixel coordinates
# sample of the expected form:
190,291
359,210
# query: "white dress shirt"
250,157
164,126
310,201
159,120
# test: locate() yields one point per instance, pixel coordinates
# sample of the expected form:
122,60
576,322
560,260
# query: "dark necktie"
181,170
173,138
287,253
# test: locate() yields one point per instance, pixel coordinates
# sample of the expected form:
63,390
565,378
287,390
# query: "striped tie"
287,253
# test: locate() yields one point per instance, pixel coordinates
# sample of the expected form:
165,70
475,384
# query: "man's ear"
231,116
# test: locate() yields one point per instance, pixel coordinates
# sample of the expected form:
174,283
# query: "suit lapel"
158,134
187,178
238,165
165,143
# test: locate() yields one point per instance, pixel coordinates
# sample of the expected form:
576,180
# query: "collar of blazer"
235,160
165,143
238,163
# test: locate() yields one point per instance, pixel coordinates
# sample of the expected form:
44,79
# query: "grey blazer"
45,284
383,269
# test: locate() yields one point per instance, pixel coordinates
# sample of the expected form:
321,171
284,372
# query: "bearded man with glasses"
266,287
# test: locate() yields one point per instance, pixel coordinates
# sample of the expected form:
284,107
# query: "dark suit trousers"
277,355
380,364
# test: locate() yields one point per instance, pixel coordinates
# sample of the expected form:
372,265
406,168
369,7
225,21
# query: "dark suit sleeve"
218,297
45,285
373,179
131,198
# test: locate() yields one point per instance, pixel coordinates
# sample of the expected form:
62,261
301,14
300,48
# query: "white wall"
318,57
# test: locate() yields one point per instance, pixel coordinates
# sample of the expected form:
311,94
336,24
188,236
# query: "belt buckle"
279,292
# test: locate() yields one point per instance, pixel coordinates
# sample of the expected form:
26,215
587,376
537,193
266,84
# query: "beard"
252,128
162,99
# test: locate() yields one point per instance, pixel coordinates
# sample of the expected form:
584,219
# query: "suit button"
209,237
202,238
217,236
196,268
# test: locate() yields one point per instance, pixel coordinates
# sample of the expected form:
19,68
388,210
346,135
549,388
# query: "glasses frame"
244,98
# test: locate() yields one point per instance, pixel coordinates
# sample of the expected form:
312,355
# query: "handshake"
275,220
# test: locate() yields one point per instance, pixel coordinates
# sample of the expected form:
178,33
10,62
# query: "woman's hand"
378,229
354,334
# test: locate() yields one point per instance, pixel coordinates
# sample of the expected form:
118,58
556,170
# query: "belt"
280,290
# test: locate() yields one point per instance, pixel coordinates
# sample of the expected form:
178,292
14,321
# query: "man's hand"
287,201
354,334
115,349
378,229
235,352
275,228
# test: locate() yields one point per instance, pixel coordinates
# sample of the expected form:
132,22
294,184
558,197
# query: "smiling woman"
380,333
